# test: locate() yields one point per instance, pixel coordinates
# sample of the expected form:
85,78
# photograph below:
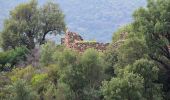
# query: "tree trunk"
42,41
31,42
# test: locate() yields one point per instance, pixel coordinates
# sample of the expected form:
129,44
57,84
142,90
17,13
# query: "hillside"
94,19
106,55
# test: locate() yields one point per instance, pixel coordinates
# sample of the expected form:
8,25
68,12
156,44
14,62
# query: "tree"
126,87
64,92
110,58
93,67
65,58
154,23
68,72
82,74
28,25
60,92
93,72
133,49
149,71
52,20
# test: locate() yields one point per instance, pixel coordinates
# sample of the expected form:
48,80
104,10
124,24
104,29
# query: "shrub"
38,78
12,57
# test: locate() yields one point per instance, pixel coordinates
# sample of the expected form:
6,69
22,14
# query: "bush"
38,78
21,91
47,51
126,87
12,57
22,73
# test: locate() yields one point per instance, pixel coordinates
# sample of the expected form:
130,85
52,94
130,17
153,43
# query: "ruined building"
75,41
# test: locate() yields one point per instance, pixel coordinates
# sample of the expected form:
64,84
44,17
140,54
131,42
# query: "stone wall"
82,46
75,41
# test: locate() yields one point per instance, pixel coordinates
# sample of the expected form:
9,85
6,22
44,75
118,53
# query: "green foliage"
142,68
28,25
38,78
126,28
52,19
133,49
80,73
57,89
53,74
64,92
92,41
4,81
70,72
126,87
92,67
122,72
110,58
66,71
148,70
47,51
51,93
65,58
22,73
154,23
21,91
12,57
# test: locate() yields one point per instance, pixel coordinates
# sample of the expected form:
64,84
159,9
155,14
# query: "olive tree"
29,24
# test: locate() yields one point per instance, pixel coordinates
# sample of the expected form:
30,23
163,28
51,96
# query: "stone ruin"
74,41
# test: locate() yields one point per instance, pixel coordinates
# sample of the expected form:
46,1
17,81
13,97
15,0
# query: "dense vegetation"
136,69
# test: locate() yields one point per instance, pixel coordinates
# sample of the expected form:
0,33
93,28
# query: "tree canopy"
153,21
28,24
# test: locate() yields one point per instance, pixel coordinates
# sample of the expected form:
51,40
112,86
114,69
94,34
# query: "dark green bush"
12,57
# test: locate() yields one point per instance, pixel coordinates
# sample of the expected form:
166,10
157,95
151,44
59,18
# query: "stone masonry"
75,41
